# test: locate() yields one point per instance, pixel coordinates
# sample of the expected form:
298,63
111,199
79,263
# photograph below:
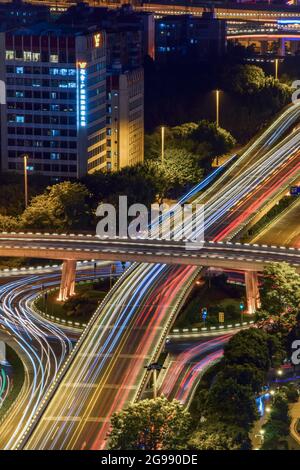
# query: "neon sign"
97,39
82,93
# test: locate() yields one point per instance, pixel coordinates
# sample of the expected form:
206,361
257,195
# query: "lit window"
27,55
36,56
54,58
19,69
10,55
20,119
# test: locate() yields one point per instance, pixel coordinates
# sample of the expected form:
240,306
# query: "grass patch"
217,296
80,307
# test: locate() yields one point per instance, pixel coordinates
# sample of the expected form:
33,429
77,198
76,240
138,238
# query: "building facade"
187,37
125,118
55,109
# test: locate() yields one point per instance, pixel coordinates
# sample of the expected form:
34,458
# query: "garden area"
215,295
79,307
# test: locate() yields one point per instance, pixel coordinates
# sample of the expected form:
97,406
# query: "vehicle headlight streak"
98,350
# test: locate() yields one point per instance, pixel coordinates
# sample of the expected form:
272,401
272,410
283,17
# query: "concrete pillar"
2,353
67,284
252,291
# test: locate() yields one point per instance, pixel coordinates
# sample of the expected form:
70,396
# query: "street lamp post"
25,158
217,108
162,144
276,68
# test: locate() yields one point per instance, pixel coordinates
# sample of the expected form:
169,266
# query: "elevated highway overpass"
253,12
217,254
106,369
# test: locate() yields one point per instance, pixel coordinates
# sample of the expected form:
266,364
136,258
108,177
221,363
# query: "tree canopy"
150,425
280,289
60,207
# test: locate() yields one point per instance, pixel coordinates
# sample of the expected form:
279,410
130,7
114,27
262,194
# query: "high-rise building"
125,118
190,38
123,18
55,109
127,43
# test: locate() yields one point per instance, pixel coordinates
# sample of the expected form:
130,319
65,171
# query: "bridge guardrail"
177,332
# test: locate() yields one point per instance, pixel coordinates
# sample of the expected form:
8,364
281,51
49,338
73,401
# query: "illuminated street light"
162,144
279,372
276,68
25,158
217,108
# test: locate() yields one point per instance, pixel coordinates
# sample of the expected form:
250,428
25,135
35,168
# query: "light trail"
106,369
185,369
42,346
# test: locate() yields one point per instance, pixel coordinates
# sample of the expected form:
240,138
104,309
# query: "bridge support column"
67,285
252,291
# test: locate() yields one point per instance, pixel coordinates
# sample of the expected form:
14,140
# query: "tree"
230,402
61,207
150,425
202,142
245,79
245,374
218,436
9,224
248,347
277,427
219,140
138,183
180,167
280,289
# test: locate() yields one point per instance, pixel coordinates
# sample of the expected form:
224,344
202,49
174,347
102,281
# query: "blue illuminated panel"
82,77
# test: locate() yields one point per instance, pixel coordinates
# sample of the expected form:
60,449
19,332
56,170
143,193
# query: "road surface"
106,369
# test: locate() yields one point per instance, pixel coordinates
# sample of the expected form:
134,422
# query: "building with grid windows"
125,118
55,109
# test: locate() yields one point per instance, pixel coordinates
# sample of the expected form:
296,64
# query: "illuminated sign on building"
97,40
82,93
